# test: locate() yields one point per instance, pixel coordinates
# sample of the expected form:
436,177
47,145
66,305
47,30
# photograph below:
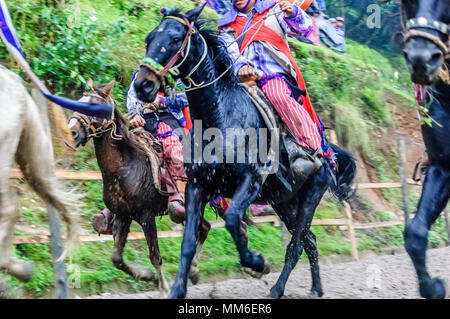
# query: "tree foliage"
359,13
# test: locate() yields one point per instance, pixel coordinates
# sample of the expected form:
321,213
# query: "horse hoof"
194,276
3,289
22,270
315,294
251,272
145,274
267,266
276,293
259,274
163,293
433,289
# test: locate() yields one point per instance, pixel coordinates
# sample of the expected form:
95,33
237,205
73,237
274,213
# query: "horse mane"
122,130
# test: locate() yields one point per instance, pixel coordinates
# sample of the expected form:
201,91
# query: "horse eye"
176,39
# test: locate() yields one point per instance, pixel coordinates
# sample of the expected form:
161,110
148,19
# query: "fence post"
351,231
56,246
56,242
403,173
447,226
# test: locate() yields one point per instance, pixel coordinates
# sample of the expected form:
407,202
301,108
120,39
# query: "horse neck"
209,103
110,152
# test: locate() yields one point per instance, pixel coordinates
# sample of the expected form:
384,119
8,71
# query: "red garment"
172,155
292,113
268,35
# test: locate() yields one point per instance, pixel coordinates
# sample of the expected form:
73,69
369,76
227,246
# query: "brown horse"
128,186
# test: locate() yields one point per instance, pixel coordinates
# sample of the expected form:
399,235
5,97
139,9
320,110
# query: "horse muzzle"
146,90
424,60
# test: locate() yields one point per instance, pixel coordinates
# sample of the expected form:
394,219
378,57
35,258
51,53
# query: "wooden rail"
344,224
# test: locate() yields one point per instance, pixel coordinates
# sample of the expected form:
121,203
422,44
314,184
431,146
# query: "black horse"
222,103
426,52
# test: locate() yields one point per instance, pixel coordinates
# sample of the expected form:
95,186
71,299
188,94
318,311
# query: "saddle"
280,132
102,223
153,149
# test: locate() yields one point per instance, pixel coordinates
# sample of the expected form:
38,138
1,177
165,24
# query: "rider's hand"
247,73
287,8
137,121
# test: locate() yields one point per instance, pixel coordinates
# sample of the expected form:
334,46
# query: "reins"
167,71
106,125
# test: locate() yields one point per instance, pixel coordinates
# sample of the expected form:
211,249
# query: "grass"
347,90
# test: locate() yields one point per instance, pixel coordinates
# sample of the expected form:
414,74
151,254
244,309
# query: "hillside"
362,95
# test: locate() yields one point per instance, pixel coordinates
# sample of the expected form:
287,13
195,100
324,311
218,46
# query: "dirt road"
388,276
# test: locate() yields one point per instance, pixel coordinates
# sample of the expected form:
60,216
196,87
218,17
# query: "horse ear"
195,13
107,88
90,85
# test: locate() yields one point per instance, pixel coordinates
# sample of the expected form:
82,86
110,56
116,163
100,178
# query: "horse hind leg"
194,273
298,219
121,228
151,236
310,246
10,136
434,198
35,158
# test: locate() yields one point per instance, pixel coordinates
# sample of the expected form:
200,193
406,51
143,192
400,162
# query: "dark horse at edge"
426,52
222,105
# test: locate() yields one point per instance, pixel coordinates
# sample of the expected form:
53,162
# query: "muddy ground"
388,276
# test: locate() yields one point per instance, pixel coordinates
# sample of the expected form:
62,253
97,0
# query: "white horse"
25,137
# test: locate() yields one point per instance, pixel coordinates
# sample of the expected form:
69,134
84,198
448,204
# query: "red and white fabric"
292,113
172,155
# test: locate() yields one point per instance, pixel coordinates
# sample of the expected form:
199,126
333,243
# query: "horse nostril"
436,58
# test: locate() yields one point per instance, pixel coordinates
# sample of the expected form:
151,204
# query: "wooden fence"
344,224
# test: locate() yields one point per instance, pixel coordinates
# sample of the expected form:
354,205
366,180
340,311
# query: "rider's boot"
303,163
176,203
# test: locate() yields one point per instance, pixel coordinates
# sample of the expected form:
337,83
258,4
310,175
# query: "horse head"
426,38
84,127
171,53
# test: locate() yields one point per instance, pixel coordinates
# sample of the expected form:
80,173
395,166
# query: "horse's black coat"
424,59
224,105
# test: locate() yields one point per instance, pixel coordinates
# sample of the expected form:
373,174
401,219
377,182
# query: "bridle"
413,24
170,69
90,130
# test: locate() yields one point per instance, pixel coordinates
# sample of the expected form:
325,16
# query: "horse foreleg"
434,198
243,197
194,273
195,203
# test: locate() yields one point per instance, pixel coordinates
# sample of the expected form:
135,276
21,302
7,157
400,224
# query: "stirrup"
303,162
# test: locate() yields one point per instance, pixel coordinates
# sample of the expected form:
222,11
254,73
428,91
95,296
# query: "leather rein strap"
180,52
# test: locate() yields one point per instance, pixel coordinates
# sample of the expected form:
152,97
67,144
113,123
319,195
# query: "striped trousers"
292,113
172,155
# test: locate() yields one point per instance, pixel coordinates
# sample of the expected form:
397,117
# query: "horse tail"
345,175
35,158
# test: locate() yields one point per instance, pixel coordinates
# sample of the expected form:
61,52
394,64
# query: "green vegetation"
67,44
